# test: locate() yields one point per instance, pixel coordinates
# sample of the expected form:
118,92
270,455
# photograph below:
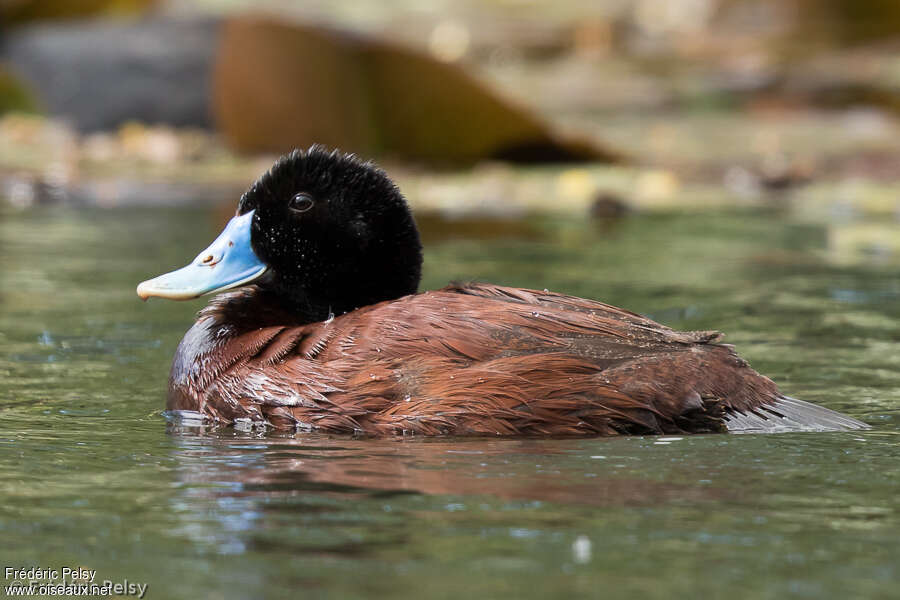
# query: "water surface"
90,474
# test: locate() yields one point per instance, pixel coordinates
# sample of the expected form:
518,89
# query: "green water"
91,476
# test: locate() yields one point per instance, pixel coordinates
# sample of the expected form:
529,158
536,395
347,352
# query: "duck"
318,325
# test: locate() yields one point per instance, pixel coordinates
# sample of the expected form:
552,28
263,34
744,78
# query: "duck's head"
323,231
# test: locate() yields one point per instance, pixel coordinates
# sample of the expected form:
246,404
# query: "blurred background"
688,103
713,164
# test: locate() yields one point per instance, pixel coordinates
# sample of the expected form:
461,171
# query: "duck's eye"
301,203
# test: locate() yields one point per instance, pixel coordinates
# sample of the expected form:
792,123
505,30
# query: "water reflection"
339,498
239,464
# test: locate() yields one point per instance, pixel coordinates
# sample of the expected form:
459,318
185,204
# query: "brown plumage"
465,360
330,234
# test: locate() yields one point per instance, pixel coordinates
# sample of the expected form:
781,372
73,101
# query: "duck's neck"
255,307
305,305
247,309
319,296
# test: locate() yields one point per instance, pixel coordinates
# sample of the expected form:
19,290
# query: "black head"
335,232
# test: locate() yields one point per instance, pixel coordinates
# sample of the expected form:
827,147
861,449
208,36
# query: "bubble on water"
581,549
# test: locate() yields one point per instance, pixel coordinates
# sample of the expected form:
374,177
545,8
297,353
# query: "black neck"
317,298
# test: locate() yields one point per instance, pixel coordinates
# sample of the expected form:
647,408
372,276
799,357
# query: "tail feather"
789,414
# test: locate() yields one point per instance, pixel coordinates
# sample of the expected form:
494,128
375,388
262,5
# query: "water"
91,476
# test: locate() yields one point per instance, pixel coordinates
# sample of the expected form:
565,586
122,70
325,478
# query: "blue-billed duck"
327,332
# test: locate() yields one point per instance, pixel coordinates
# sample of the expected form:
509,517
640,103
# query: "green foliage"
23,11
14,96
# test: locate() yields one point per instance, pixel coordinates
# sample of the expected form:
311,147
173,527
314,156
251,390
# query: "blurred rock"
274,86
449,41
157,145
575,185
279,86
609,205
778,174
25,191
657,186
101,74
